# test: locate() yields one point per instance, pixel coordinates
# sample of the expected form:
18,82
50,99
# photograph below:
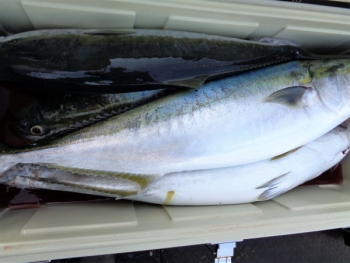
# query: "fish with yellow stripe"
237,120
252,182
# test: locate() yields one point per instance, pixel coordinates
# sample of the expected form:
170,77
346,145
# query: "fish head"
331,79
18,47
23,122
35,118
24,132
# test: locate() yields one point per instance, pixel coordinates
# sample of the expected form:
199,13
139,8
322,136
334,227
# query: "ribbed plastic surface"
317,27
70,230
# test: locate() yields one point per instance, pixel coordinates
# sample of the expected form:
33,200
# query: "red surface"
332,176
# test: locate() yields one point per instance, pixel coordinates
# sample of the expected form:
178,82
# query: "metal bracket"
225,252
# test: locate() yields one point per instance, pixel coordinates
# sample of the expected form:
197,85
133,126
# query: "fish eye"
11,42
37,130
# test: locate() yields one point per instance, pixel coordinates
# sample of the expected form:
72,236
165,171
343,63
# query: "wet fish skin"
253,182
44,117
228,122
112,61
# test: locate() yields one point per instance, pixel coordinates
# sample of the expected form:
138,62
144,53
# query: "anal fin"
275,187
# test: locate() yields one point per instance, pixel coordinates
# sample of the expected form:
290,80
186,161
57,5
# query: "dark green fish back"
78,61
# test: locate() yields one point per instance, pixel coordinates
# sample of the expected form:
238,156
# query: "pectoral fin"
291,97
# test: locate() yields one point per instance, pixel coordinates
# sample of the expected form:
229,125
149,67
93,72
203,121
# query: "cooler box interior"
53,231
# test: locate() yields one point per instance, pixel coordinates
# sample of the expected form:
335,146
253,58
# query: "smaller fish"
258,181
115,61
34,119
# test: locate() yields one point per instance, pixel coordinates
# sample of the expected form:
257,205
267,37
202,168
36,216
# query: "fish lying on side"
36,119
231,185
247,183
112,61
242,119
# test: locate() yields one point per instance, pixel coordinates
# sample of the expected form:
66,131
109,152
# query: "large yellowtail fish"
233,121
230,185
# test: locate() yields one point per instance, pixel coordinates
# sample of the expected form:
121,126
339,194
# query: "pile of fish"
218,120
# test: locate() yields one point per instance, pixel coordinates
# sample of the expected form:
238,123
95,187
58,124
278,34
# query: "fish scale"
247,118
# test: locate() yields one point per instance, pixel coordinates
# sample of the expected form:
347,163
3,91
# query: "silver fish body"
237,120
252,182
231,185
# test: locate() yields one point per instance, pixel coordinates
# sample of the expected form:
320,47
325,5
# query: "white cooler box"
104,227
